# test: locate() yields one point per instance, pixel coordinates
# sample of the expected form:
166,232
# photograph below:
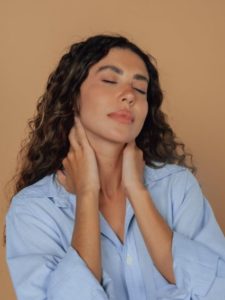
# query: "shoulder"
176,193
169,173
172,182
46,186
43,195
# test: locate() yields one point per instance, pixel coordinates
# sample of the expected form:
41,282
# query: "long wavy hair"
47,142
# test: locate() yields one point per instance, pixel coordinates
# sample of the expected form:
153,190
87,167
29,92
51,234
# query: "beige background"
187,38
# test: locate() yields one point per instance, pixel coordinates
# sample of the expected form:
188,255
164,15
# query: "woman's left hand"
133,168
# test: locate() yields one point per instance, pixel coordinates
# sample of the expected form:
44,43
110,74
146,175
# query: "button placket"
129,260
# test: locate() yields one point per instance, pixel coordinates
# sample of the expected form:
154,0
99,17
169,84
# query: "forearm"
86,234
156,233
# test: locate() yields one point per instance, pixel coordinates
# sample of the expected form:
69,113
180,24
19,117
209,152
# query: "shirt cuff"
73,274
194,265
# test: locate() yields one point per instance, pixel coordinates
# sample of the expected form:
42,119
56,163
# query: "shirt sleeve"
40,268
198,246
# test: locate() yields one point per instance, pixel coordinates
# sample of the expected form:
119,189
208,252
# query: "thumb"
61,177
65,181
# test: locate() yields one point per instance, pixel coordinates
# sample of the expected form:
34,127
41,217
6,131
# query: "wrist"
88,192
136,191
89,196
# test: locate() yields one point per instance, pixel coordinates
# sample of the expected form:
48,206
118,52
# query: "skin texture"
104,164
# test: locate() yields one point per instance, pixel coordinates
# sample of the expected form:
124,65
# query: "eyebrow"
120,72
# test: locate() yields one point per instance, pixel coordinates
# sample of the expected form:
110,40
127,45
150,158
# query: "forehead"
123,58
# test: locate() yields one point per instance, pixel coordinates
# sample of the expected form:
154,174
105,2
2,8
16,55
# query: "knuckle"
140,151
70,155
64,162
71,133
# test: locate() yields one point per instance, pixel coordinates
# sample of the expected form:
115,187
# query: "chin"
121,137
121,140
113,136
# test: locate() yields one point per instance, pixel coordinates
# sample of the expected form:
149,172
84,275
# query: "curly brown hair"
47,143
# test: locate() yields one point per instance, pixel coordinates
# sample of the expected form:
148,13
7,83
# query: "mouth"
122,116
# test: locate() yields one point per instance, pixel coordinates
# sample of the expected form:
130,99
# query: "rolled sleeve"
198,245
40,268
195,266
76,279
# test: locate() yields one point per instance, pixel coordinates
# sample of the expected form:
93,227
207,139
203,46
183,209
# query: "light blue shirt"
44,266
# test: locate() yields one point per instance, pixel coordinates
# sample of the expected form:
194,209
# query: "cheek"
91,108
142,116
143,111
146,109
86,102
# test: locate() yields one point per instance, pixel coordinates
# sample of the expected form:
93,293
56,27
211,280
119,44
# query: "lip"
123,116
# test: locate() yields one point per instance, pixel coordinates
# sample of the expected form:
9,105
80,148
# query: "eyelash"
114,82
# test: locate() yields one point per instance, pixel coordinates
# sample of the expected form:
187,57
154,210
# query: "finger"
65,161
73,139
81,131
64,181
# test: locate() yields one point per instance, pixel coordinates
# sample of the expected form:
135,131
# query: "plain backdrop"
187,37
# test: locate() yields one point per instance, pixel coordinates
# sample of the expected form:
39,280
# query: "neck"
109,157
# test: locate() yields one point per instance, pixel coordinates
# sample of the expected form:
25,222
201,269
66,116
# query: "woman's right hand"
80,175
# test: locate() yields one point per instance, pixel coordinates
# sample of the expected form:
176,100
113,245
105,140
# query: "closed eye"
114,82
140,91
109,81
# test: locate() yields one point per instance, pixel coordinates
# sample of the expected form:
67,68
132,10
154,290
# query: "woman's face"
113,98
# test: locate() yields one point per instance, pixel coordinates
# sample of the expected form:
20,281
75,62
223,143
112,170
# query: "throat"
114,212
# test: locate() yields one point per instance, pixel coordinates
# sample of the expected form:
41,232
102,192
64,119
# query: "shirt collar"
160,171
51,188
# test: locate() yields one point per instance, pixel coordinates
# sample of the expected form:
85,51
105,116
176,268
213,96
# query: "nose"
128,94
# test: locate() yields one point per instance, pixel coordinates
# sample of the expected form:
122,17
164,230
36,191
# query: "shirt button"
129,260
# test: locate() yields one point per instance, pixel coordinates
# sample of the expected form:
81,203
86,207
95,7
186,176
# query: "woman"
106,207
